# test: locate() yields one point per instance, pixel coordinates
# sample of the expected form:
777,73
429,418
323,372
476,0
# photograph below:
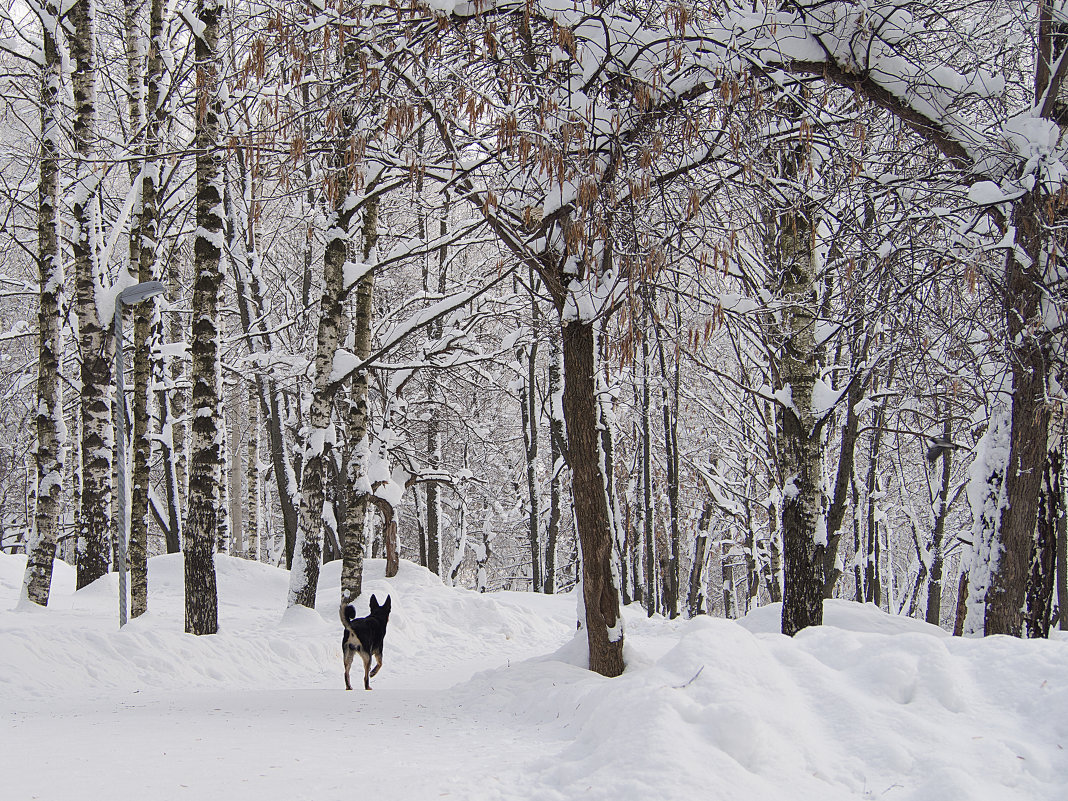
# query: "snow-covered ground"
484,697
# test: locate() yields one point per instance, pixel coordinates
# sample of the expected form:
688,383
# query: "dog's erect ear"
387,604
374,604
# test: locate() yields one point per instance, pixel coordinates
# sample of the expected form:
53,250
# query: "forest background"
700,306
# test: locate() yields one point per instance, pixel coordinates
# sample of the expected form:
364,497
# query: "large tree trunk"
201,598
358,487
305,572
41,549
94,341
1028,353
604,626
799,447
146,235
332,324
1038,609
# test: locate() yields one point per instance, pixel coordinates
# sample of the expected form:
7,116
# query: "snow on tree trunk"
177,406
201,598
600,588
986,496
938,549
695,596
41,548
145,245
803,502
94,341
1028,357
320,439
358,486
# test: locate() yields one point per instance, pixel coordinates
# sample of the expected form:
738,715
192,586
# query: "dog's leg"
378,667
349,653
366,669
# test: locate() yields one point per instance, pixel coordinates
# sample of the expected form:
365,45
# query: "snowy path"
296,744
483,698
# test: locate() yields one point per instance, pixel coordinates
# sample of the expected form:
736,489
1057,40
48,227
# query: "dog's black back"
364,636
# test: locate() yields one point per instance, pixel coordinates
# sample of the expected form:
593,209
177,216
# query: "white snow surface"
486,697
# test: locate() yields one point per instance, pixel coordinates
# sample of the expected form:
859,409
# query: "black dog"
364,636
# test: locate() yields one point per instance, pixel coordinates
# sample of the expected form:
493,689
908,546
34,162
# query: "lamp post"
130,296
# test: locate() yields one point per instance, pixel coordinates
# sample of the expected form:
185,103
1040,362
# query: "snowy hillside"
484,697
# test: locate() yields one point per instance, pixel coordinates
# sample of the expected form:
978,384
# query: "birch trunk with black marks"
933,614
695,597
794,267
235,475
202,522
94,340
358,487
144,245
318,449
48,421
253,474
177,400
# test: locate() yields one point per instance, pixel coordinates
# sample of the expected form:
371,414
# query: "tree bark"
1038,609
599,577
695,598
358,446
94,341
253,474
670,407
48,456
1029,356
529,415
201,597
556,441
934,585
800,448
146,314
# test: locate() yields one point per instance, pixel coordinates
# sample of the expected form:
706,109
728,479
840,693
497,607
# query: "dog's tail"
347,612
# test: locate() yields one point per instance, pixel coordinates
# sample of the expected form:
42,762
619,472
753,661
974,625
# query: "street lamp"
130,296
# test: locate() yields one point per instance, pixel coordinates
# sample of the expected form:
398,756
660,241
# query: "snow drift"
486,697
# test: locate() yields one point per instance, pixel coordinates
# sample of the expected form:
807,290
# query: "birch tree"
41,548
201,599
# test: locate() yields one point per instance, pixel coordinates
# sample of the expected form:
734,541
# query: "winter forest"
729,310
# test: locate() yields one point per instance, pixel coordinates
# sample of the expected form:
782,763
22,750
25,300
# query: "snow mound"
487,697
